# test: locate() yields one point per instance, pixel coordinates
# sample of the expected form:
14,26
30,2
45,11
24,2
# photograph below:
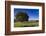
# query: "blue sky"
32,13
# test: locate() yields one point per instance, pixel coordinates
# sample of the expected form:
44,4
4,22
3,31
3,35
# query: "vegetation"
21,16
26,24
22,20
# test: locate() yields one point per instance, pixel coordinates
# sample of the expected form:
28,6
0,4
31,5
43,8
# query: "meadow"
26,24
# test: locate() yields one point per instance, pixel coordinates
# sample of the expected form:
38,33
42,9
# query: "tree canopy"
21,16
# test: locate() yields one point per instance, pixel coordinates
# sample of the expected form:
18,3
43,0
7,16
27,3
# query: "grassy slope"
26,24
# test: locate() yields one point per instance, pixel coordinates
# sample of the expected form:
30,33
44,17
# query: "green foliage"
21,16
26,24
